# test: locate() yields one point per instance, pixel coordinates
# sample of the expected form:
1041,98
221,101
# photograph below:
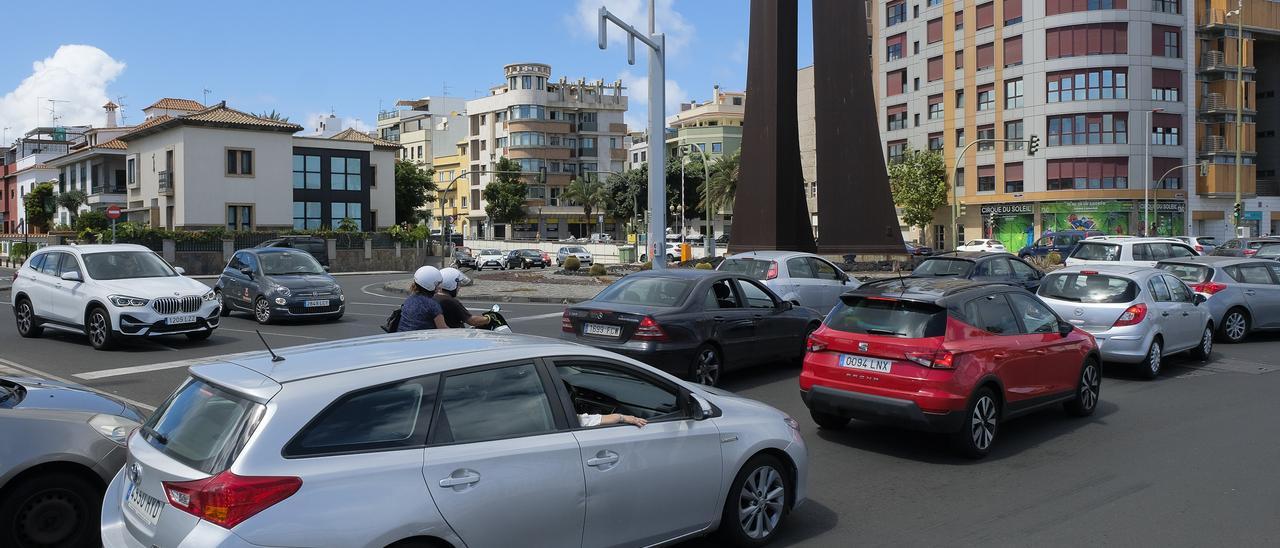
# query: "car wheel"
222,302
262,311
98,329
828,421
707,365
1087,391
1205,349
1235,326
1151,364
25,315
981,423
51,510
199,335
758,503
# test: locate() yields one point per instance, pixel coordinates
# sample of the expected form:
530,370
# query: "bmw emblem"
862,347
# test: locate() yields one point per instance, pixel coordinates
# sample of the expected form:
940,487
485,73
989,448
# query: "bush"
20,251
572,264
647,265
703,266
95,220
1054,257
597,270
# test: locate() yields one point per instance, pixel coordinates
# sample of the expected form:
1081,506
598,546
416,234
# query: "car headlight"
209,296
280,301
113,427
127,301
282,290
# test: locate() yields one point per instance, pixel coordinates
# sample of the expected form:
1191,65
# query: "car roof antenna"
274,357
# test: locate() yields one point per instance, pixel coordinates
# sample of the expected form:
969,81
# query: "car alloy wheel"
1205,349
262,310
1090,385
26,319
707,366
982,425
99,329
1154,355
761,502
1235,326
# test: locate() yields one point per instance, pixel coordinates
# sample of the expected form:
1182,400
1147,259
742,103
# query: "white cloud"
585,21
637,116
313,120
75,75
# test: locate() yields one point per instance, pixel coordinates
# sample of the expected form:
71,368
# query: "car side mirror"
247,271
700,408
325,267
72,276
179,270
1199,299
788,305
1065,328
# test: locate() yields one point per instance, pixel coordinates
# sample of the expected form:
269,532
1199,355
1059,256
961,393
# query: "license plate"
862,362
603,330
316,304
178,320
145,506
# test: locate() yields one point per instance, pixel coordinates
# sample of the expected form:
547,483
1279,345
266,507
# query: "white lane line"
274,334
365,289
42,374
373,304
119,371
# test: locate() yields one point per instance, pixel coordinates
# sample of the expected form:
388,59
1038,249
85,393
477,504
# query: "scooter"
497,323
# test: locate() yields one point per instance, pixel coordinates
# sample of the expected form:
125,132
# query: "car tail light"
815,343
1089,272
649,330
1209,288
1132,315
773,271
1199,248
566,324
226,499
15,276
1250,252
938,359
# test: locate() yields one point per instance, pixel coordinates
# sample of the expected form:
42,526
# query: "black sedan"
526,258
692,323
276,283
980,266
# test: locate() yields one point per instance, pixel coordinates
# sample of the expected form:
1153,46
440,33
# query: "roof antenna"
274,357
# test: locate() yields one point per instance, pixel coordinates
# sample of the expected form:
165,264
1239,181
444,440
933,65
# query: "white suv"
1128,251
109,292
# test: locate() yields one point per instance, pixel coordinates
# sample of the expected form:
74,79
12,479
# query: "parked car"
919,250
1242,247
802,278
276,284
1268,250
491,258
1203,245
673,252
525,258
980,266
696,324
317,247
110,293
601,238
62,445
982,245
1137,315
584,256
438,433
1129,252
1243,293
463,258
945,355
1062,242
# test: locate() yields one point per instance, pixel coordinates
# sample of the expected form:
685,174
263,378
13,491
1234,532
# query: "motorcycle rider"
455,313
420,310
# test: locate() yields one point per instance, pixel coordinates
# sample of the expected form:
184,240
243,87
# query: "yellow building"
454,191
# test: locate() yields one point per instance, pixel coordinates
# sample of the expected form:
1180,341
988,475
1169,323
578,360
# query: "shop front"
1017,225
1012,224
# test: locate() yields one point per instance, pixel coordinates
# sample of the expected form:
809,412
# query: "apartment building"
26,166
556,131
1098,81
94,164
454,190
424,128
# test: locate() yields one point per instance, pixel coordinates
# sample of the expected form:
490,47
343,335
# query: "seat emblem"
862,347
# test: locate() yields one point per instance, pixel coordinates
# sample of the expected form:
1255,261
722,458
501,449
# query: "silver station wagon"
452,438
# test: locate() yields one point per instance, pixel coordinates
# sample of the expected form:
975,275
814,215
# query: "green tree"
39,207
918,181
718,193
505,194
415,188
71,200
589,193
93,220
273,115
694,174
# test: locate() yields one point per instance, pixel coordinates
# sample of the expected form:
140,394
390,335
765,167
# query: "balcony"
588,152
1213,144
166,183
1221,181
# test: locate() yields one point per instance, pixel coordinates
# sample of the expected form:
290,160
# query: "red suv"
946,355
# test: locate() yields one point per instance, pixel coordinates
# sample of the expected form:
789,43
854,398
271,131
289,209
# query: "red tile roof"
176,104
114,144
351,134
219,115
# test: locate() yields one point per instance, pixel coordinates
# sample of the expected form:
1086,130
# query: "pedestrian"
420,311
456,314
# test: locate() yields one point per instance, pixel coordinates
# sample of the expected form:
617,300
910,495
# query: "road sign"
113,212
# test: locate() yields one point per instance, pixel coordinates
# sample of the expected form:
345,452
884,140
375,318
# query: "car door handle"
459,478
718,318
1186,313
1249,292
1039,351
603,458
1164,313
1000,355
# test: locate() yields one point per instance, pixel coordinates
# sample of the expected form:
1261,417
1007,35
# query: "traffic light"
1034,146
1238,209
962,209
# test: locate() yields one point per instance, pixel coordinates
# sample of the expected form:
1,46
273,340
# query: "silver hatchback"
1136,314
451,438
802,278
1243,293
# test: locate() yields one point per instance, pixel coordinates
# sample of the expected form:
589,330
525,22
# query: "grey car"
1137,314
1243,293
802,278
279,283
584,256
451,438
1203,245
59,446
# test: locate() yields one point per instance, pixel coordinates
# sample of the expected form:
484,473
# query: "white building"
424,128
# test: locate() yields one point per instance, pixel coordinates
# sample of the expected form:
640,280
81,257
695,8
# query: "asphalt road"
1186,460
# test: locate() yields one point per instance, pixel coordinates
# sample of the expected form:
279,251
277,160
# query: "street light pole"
1160,184
1146,175
955,170
1239,101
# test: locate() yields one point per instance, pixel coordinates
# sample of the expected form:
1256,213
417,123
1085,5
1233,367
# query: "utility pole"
205,99
1146,175
1239,104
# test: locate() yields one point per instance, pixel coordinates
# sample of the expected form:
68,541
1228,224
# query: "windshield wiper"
11,392
160,438
874,331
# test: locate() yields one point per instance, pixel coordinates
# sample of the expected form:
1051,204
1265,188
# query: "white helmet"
428,277
453,278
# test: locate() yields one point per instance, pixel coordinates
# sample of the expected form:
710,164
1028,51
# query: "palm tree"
720,190
273,115
589,193
72,200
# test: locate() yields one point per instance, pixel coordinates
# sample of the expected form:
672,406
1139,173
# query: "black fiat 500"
278,283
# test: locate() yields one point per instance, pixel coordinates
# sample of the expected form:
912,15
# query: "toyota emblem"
1078,312
134,473
862,347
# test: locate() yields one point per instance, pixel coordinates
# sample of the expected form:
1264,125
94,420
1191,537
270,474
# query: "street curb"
392,287
334,274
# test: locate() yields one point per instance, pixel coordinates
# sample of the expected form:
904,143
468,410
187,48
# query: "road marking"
365,289
274,334
42,374
119,371
373,304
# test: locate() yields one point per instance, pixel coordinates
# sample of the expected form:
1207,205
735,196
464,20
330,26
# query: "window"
986,97
528,112
306,171
526,82
991,314
986,56
897,117
986,178
932,3
1164,135
1012,12
527,138
1091,129
933,69
1168,168
915,48
960,178
340,211
935,107
306,215
239,217
1013,93
984,134
985,15
755,296
1013,130
896,82
384,417
1035,317
344,173
1087,84
1166,41
959,137
1165,84
617,390
717,148
935,141
933,31
895,13
894,47
1090,39
1012,51
1087,173
1166,6
470,402
1013,182
895,150
239,162
960,60
131,169
1055,7
959,16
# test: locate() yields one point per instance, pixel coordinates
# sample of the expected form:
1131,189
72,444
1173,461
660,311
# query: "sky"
309,59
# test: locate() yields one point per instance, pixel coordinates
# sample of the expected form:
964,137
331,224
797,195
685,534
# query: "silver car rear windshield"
1190,273
1088,288
1096,251
201,426
651,291
943,267
754,268
886,316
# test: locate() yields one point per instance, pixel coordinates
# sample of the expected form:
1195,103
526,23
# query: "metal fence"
382,240
198,245
252,239
350,241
